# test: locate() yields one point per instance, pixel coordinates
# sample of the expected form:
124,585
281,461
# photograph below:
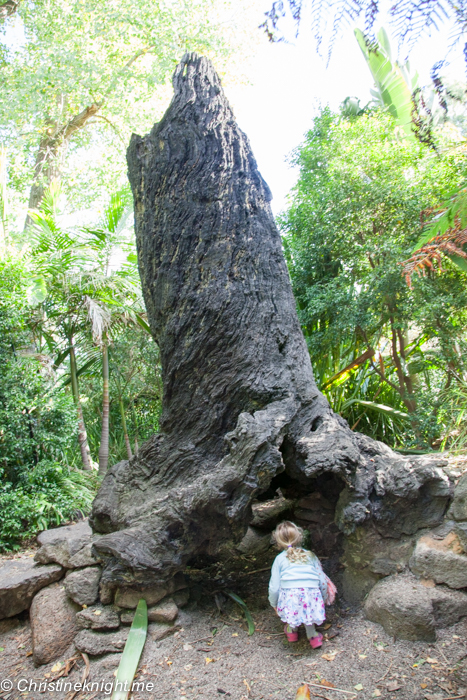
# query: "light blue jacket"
294,574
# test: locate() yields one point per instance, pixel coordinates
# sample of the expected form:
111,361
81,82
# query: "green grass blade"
243,605
131,653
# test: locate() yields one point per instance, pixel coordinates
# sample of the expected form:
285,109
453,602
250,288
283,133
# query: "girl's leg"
311,631
292,629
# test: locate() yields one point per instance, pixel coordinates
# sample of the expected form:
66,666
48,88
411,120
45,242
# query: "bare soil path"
212,656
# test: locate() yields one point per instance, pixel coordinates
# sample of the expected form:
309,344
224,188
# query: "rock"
82,585
53,623
461,531
440,560
8,624
85,557
166,611
160,630
127,597
181,598
255,541
458,508
98,618
20,579
97,643
267,514
106,592
356,584
409,610
61,543
368,557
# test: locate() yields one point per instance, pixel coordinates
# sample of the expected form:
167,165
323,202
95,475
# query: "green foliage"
106,66
36,422
49,495
135,377
354,216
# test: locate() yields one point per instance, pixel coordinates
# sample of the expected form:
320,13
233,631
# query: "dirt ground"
212,656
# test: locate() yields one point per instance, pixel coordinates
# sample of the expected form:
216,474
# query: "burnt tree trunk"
240,402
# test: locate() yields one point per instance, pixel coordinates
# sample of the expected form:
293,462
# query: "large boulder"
368,557
409,610
443,561
459,505
82,585
20,579
53,623
60,544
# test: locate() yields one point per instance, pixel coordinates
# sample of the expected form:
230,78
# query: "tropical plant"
408,19
78,295
354,213
49,495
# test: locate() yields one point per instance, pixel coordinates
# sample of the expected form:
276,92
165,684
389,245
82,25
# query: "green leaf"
131,653
242,604
380,407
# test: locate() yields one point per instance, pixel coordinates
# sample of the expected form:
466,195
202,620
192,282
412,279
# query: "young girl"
298,588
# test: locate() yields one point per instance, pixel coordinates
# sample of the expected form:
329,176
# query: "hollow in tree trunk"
240,404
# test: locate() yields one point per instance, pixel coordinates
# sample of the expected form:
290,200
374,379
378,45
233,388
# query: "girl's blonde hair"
289,536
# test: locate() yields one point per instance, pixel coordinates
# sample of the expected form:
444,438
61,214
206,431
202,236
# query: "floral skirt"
301,606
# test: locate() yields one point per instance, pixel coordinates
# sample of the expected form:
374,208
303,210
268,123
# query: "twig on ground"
336,690
257,571
387,671
443,655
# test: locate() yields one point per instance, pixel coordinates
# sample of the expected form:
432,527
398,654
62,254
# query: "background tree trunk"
241,410
104,444
82,434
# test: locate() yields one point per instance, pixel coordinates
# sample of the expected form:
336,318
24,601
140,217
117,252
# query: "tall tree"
92,71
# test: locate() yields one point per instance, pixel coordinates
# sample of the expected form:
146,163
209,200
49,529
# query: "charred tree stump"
240,402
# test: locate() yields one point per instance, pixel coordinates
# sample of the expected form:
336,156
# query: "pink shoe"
291,636
317,641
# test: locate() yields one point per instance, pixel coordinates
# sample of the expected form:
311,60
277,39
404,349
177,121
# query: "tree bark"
51,153
104,444
240,404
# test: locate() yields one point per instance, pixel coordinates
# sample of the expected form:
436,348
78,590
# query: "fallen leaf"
97,612
431,661
358,687
377,693
303,693
379,647
208,660
331,656
56,667
187,647
392,686
326,626
235,634
362,656
46,675
2,648
327,684
423,685
169,663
